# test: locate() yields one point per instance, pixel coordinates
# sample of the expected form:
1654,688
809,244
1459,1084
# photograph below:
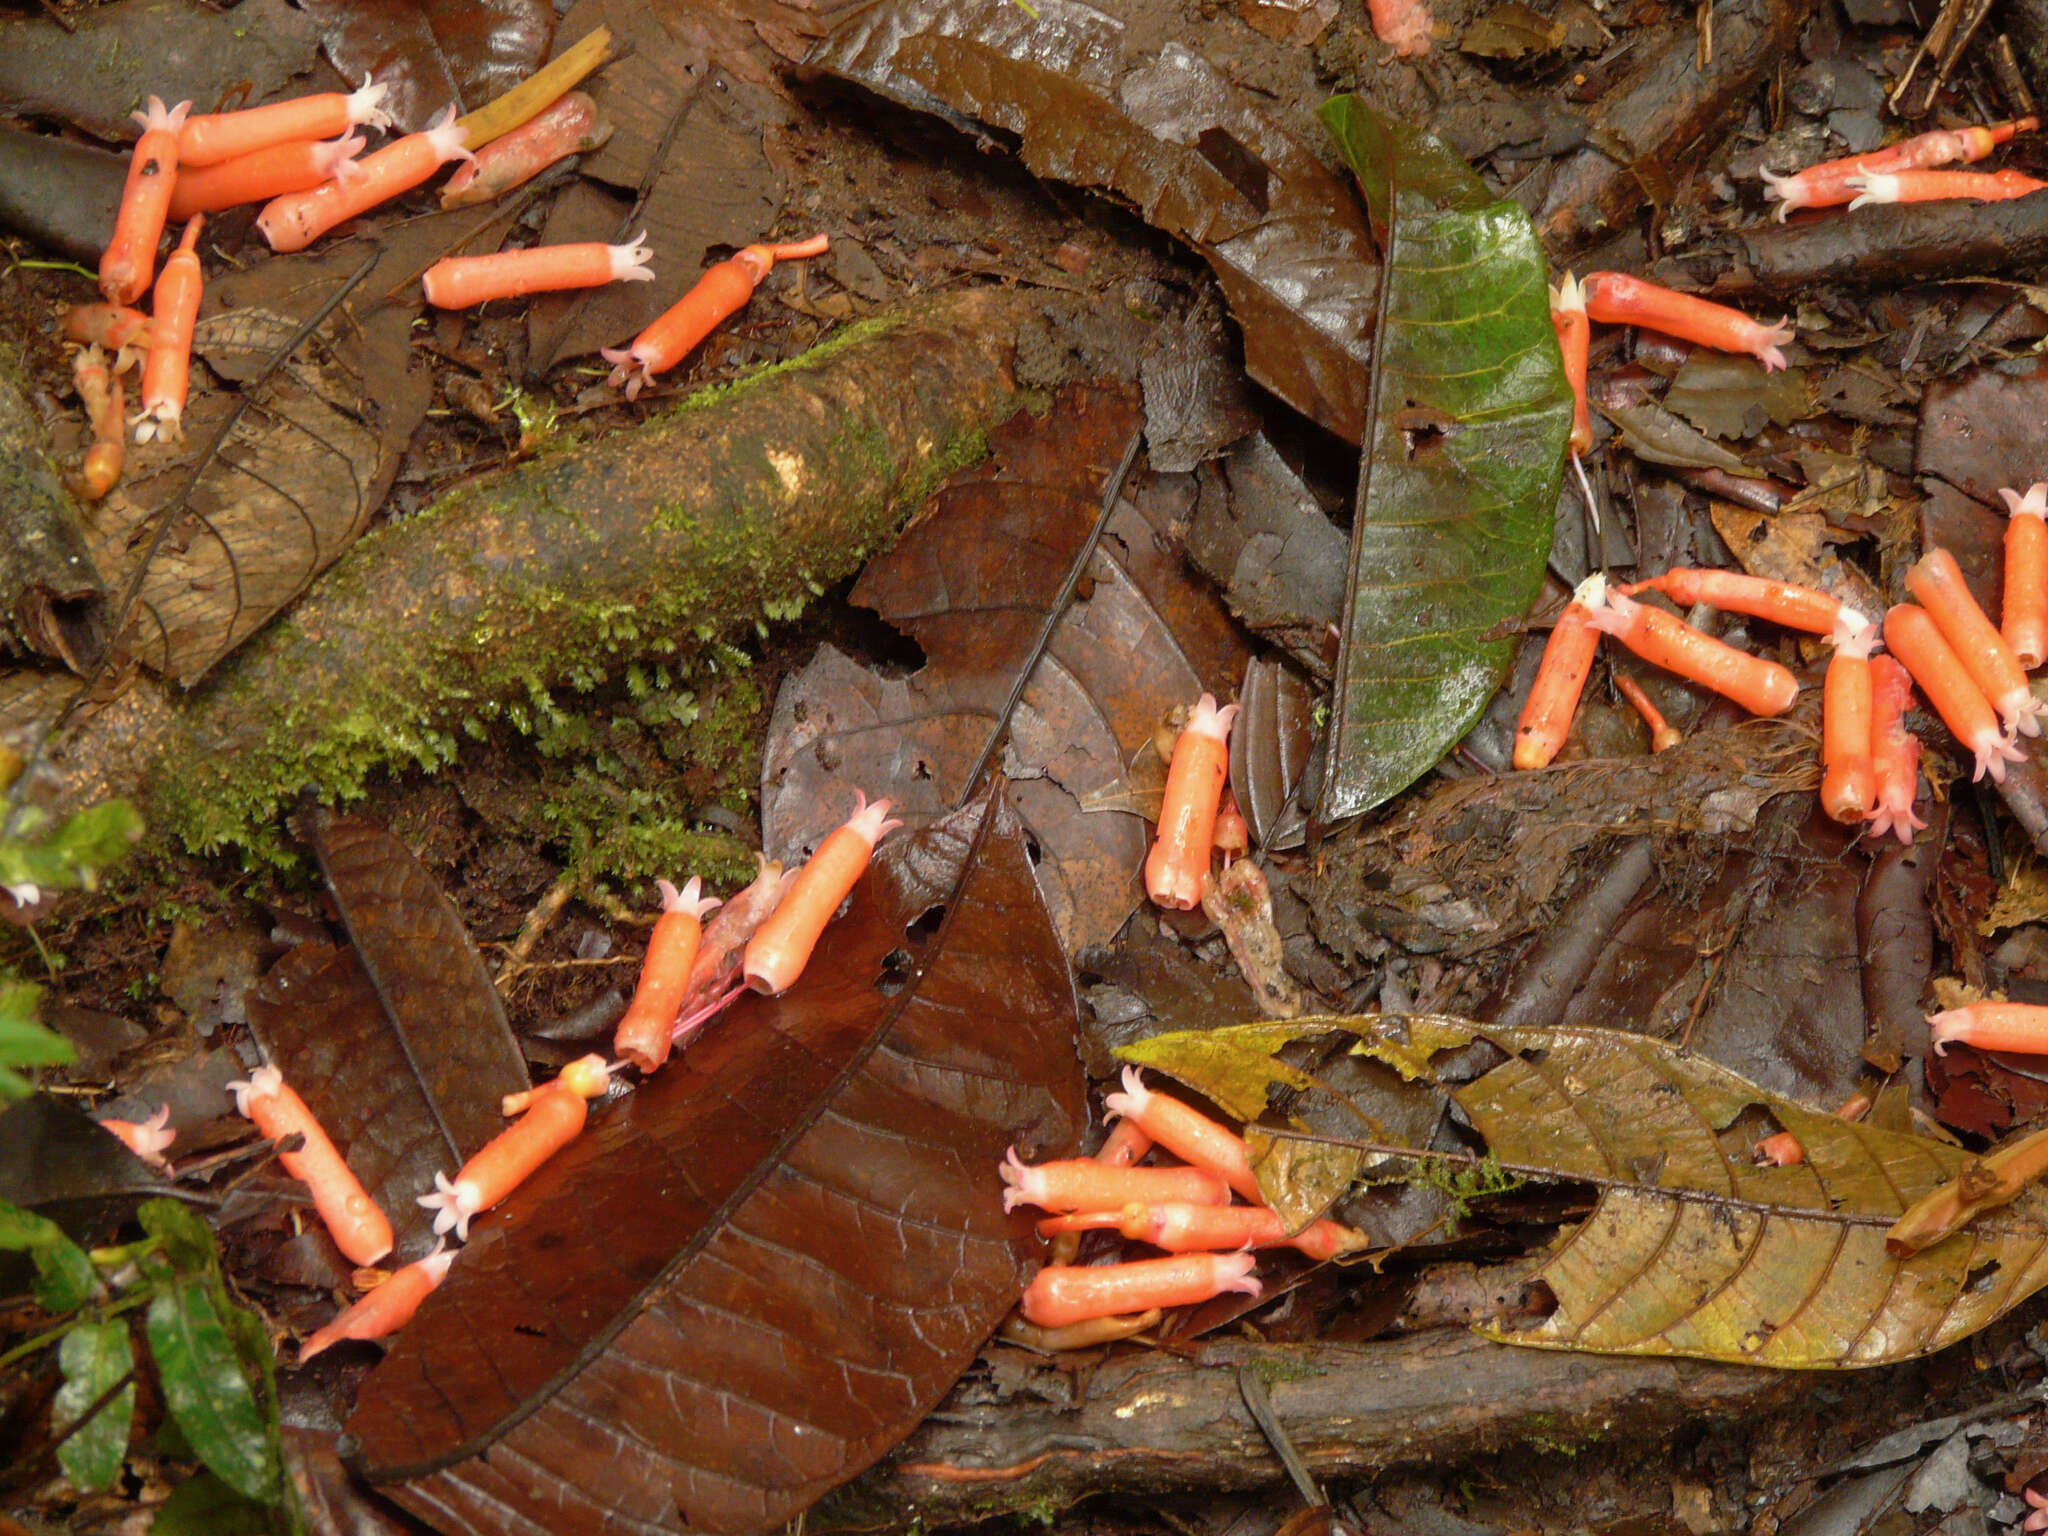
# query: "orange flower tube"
1936,581
294,221
1917,641
1894,751
1060,1294
106,407
781,947
1615,298
1782,602
2024,621
554,1116
1760,686
720,292
460,282
1546,718
383,1309
2019,1027
212,137
1089,1184
1939,186
646,1026
263,174
360,1230
129,260
167,371
1574,337
1187,1133
1848,789
1187,812
1826,185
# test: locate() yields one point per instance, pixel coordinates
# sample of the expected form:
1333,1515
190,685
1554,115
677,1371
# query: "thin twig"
1112,489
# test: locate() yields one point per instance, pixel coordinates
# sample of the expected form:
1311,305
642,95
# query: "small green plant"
538,419
24,1042
210,1358
1460,1181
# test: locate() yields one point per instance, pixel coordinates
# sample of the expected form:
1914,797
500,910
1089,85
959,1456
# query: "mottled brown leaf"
1170,134
1269,749
432,52
971,583
750,1278
1692,1249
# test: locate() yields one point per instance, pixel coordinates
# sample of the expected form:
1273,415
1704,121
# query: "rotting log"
1153,1423
50,591
735,508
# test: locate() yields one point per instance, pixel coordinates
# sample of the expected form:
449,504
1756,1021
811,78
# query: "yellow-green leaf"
1691,1249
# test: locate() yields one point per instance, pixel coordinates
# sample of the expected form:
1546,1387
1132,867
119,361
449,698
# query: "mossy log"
736,508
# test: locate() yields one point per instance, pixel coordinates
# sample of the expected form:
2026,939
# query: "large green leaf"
1468,419
207,1389
93,1357
1691,1249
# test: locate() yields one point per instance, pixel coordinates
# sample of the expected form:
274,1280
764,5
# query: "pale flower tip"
1773,358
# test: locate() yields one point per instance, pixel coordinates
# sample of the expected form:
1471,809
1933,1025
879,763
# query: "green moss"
1283,1367
736,389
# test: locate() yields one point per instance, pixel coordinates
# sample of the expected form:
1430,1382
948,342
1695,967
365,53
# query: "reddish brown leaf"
971,582
1171,134
432,53
752,1277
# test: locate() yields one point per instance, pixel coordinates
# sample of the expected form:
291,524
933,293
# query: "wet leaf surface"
1469,416
116,56
971,583
747,1280
93,1357
1169,134
399,1045
1732,397
1691,1249
56,1161
432,53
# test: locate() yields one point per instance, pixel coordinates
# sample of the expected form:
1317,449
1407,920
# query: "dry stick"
538,91
1259,1404
1112,488
1935,41
1966,29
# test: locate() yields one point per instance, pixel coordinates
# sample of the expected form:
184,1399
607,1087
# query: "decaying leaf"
1467,428
1512,31
1692,1249
400,1044
1656,436
750,1278
436,52
1170,134
971,583
1795,546
1734,397
297,479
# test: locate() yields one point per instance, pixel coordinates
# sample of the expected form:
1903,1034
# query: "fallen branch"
736,508
1153,1423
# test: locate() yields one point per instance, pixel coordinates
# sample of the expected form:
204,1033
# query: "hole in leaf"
926,926
895,973
1423,431
1981,1276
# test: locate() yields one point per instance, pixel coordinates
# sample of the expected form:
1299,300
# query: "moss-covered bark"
733,510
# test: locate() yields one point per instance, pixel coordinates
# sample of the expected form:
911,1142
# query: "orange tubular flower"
129,260
1848,791
646,1027
167,371
2024,623
569,127
1937,582
720,292
113,326
781,947
1615,298
1187,1133
1663,735
217,136
1403,25
1091,1184
2021,1027
460,282
1938,186
1182,1228
294,221
263,174
1826,185
147,1139
360,1230
1574,336
385,1308
1762,687
1782,602
1894,751
1187,812
554,1116
1546,718
1914,638
106,407
1060,1294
